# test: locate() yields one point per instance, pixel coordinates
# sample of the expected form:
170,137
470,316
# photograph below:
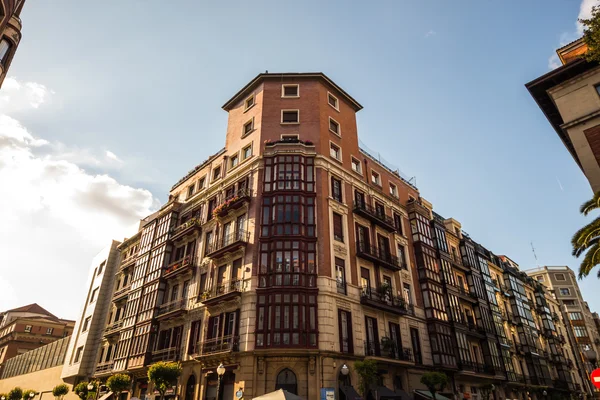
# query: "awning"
106,396
383,393
278,395
426,394
350,393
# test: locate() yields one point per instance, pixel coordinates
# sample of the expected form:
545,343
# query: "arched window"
286,380
190,388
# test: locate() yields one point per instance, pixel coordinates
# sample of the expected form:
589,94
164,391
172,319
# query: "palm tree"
588,239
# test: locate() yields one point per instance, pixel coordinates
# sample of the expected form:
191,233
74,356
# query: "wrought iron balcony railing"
379,256
222,244
222,344
387,350
377,216
382,296
173,306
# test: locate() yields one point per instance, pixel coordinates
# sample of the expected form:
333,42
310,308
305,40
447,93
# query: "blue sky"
132,90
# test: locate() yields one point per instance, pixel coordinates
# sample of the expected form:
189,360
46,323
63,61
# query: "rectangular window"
290,116
336,189
334,126
580,331
333,101
247,152
27,328
201,183
569,302
340,275
86,324
335,152
345,328
234,160
365,279
375,178
216,173
93,296
565,292
78,354
372,345
5,46
290,91
191,189
49,331
248,127
356,167
416,344
406,293
398,223
338,230
559,277
575,316
249,103
402,255
101,267
393,190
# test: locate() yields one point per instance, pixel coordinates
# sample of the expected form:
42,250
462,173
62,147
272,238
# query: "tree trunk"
433,394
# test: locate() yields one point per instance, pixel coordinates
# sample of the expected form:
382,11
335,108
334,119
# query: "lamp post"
220,373
31,395
544,393
345,371
90,387
3,398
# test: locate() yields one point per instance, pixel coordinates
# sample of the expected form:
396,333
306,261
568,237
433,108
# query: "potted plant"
384,291
60,391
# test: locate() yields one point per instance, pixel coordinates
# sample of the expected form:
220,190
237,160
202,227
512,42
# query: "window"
191,190
5,46
406,293
93,296
393,190
290,91
375,178
201,183
334,126
345,328
365,278
216,173
565,292
234,161
49,331
559,277
540,278
338,230
335,152
247,152
290,116
402,255
569,302
597,89
78,354
416,344
249,103
336,189
356,166
28,328
86,324
398,223
333,101
340,275
575,316
580,331
101,267
248,127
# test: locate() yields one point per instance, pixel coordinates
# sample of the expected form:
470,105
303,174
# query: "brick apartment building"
10,33
291,253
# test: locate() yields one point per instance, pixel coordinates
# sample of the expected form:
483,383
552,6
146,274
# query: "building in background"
80,361
569,98
29,327
10,33
562,282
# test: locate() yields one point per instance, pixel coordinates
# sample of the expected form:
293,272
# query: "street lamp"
91,387
345,370
220,373
591,355
31,395
544,393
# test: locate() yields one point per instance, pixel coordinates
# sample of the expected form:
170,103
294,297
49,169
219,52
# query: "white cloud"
112,156
430,33
55,215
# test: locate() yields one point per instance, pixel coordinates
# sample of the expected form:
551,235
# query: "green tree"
81,390
486,391
591,34
15,394
164,376
118,384
367,375
27,394
587,239
60,391
435,382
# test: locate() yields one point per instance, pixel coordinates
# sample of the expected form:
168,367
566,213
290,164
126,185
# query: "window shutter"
350,339
340,330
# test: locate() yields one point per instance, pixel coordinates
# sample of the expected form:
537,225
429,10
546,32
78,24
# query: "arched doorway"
190,388
286,380
343,381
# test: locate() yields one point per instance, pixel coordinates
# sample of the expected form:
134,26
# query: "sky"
109,103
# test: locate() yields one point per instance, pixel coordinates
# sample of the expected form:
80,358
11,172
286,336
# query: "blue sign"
327,394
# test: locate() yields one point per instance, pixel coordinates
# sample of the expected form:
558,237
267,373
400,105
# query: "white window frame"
49,331
244,158
359,165
290,123
339,127
376,181
337,101
290,85
560,290
213,173
251,123
339,151
231,158
246,106
393,190
28,328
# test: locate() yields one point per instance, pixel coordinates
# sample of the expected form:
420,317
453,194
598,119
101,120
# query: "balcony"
127,262
341,287
222,292
465,294
232,202
476,367
186,264
377,256
387,350
121,293
224,344
227,244
382,299
169,354
113,328
173,309
369,212
104,368
193,225
558,359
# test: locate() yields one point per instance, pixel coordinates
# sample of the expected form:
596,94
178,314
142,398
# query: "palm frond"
582,239
590,205
591,260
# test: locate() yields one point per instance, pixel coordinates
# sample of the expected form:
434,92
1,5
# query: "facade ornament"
311,365
261,365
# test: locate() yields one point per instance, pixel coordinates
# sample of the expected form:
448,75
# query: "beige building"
578,318
569,97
